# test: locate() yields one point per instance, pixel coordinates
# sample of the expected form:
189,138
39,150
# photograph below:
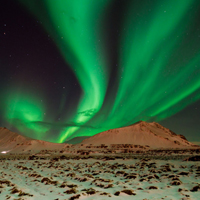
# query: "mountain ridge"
13,142
141,133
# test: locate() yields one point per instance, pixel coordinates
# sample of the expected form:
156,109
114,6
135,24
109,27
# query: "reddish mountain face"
15,143
141,133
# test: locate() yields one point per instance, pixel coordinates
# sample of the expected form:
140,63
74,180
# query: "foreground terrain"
144,161
117,176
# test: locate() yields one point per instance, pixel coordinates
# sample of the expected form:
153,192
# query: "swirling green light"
158,64
148,43
75,26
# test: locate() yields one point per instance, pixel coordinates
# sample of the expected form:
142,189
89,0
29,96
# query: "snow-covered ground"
138,179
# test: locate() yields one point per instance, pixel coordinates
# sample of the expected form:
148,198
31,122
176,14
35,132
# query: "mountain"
15,143
141,133
77,140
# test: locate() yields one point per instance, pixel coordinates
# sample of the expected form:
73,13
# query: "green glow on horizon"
156,70
23,112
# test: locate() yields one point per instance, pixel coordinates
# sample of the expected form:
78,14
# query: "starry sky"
77,68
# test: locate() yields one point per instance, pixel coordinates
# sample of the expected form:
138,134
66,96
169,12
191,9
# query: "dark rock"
117,193
129,192
183,137
71,174
71,191
63,157
195,188
176,182
104,193
72,186
152,188
75,197
194,158
47,181
24,194
90,191
55,159
143,179
183,173
33,157
173,176
14,190
175,179
108,186
63,185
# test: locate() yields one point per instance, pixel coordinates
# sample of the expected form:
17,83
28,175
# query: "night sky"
74,68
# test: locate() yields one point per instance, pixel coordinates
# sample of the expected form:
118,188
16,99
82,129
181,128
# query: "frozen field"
99,179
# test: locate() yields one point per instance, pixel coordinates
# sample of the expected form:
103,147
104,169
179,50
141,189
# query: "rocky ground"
156,175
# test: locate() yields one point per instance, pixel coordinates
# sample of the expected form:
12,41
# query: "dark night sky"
75,69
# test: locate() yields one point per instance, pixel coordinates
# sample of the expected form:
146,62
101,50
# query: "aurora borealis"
76,68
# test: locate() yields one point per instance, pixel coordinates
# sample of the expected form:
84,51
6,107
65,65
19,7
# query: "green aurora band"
157,71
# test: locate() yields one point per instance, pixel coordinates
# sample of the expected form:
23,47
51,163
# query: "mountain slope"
15,143
77,140
141,133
